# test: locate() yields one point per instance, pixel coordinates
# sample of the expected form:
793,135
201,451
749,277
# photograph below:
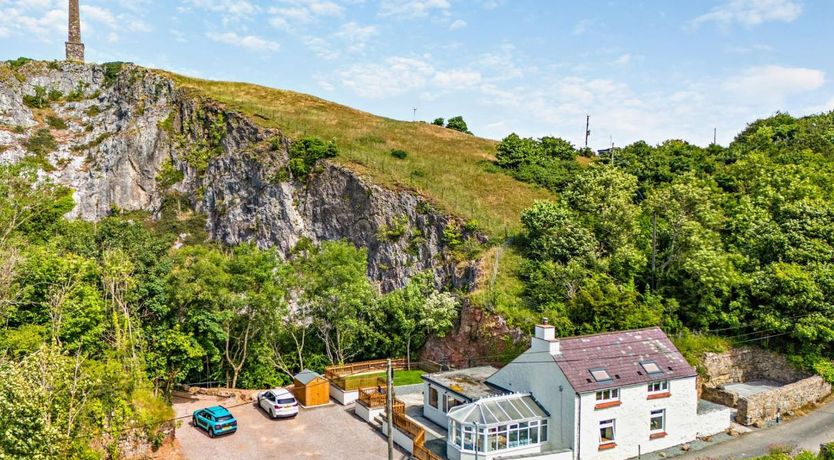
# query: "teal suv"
215,420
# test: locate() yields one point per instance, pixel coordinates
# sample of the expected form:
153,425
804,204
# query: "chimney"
74,46
544,339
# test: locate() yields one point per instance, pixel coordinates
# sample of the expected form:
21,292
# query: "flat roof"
469,383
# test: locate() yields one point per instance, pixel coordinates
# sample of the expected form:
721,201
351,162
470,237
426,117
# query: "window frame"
663,386
604,424
600,369
652,415
600,395
433,391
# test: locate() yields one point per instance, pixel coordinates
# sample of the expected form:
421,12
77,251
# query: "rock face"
129,130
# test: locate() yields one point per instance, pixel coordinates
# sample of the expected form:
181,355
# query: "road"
806,432
327,432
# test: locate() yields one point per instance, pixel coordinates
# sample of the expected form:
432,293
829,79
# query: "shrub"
439,122
39,100
92,111
78,93
55,95
397,153
305,152
457,124
56,122
41,143
19,62
168,175
111,72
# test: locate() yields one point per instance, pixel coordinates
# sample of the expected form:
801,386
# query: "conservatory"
511,424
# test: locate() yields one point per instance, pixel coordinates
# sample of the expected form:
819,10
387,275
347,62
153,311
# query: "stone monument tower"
75,49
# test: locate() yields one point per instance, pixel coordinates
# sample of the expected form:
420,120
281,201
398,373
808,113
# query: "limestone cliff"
126,137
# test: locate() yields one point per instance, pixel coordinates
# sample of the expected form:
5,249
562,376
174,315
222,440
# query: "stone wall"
761,407
746,364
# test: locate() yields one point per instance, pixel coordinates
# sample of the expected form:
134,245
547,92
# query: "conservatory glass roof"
498,410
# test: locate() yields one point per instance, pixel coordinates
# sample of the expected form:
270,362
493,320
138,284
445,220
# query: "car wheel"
211,432
194,421
272,413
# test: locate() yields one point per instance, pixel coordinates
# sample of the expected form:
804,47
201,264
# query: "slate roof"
620,354
469,383
306,376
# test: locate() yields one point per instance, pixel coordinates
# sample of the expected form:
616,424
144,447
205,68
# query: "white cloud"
457,24
396,76
293,12
355,35
235,8
456,79
413,8
623,60
751,12
249,42
773,83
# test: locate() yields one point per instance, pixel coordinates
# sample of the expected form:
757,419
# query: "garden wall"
761,407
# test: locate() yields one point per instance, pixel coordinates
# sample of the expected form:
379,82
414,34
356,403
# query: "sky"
650,70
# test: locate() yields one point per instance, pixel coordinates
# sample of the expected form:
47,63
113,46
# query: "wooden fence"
379,365
417,434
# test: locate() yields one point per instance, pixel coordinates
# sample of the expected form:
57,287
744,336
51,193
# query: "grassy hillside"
452,169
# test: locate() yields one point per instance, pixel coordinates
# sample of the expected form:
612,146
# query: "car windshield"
224,418
286,401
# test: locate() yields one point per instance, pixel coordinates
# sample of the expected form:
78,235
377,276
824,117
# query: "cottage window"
606,431
468,438
452,402
659,386
657,423
611,394
433,397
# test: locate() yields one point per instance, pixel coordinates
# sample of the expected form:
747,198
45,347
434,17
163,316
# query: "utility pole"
714,136
587,129
389,409
612,150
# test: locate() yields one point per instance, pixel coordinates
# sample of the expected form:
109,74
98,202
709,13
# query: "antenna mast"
587,129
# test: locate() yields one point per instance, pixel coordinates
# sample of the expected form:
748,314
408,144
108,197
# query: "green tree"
458,124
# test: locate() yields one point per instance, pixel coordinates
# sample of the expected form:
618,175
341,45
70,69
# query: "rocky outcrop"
130,130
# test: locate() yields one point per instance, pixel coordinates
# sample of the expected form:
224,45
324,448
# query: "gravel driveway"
327,432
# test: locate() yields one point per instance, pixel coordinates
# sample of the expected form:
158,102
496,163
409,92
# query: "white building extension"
603,396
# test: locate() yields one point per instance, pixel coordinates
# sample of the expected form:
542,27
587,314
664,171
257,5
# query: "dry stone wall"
746,364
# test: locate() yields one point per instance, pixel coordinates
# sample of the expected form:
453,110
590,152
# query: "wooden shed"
311,389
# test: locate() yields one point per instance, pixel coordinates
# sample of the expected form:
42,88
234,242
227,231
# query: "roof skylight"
600,375
651,367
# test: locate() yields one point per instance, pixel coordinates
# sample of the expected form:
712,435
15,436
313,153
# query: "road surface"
806,432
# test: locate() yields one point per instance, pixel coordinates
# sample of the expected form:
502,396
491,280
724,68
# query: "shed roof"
306,376
469,383
498,410
626,357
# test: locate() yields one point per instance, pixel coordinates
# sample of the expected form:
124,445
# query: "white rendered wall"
400,438
365,413
632,421
529,374
343,397
437,415
714,422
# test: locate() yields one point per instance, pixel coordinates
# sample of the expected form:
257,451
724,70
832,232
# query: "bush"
111,72
55,122
55,95
397,153
41,143
19,62
457,124
78,93
439,122
305,152
39,100
693,346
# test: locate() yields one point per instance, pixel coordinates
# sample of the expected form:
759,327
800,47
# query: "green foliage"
439,122
56,122
168,175
111,72
549,161
458,124
92,111
395,230
16,64
399,154
41,144
77,94
693,346
55,95
305,152
39,100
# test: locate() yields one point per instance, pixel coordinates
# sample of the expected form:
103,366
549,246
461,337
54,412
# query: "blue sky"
649,70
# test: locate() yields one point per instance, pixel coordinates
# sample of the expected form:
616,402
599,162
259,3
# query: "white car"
278,402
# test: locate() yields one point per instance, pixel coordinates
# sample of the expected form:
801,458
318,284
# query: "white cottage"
603,396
